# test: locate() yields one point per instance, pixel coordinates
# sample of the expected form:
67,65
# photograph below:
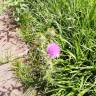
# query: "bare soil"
11,47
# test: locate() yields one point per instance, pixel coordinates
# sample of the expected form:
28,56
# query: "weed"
71,24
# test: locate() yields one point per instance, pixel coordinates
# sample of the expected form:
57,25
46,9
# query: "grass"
72,25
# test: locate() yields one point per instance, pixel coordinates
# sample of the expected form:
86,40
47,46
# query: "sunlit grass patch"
71,24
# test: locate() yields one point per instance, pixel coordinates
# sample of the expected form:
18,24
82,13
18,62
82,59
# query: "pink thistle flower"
53,50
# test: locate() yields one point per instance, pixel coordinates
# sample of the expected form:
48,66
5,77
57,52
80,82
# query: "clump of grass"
71,24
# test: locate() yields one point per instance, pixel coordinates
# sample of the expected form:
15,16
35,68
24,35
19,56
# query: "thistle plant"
71,25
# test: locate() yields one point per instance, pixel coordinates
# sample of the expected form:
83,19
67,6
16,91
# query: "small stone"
16,93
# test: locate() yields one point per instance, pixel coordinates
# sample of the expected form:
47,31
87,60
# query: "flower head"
53,50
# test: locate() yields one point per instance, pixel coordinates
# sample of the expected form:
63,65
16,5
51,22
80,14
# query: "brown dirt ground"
11,47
